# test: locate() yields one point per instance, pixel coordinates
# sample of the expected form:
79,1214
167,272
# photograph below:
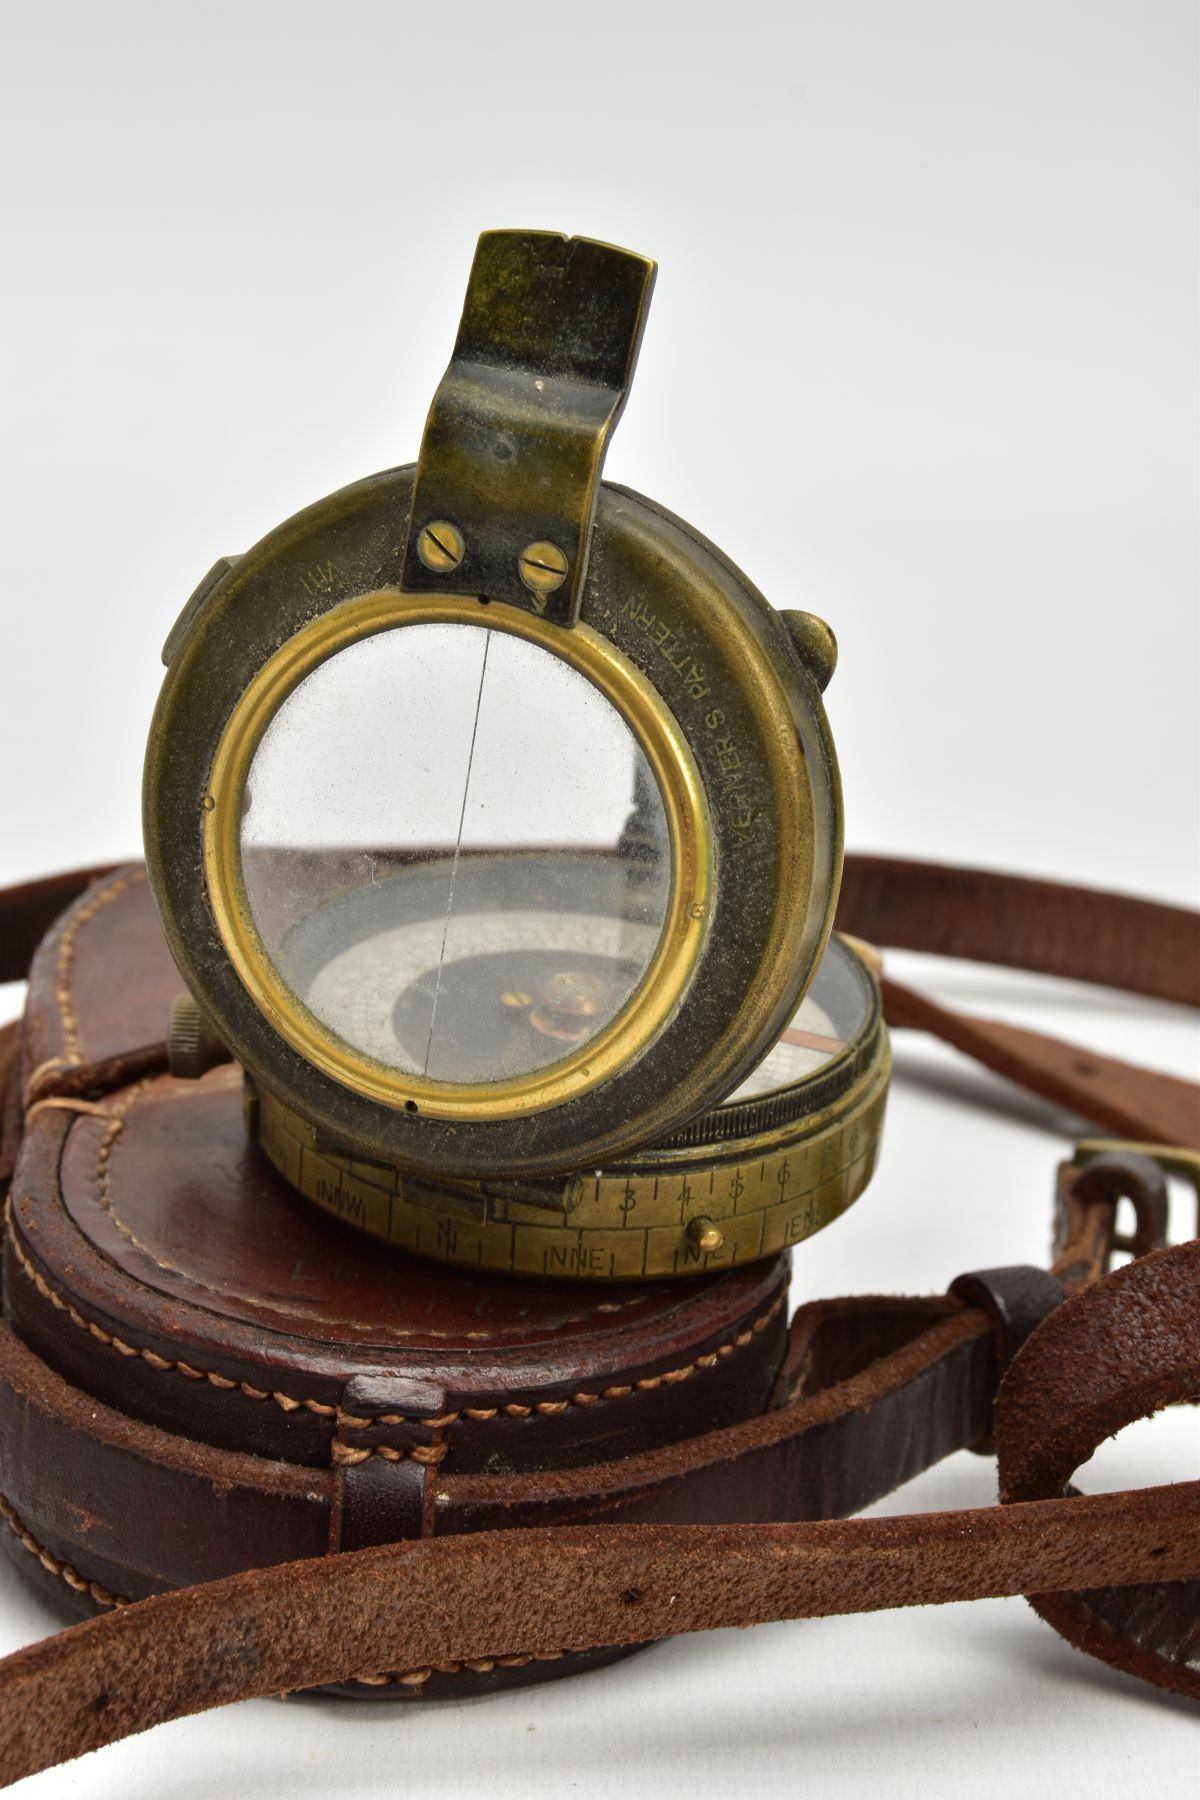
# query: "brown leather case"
308,1389
201,1382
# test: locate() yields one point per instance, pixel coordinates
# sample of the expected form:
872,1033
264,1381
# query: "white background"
923,358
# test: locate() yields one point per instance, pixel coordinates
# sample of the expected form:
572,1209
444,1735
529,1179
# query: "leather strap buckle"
1172,1159
1090,1189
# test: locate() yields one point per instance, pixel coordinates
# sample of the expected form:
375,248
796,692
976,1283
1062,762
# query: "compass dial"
494,990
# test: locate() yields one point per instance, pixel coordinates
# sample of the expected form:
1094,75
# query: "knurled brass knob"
192,1045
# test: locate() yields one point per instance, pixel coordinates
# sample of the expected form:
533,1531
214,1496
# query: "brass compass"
493,820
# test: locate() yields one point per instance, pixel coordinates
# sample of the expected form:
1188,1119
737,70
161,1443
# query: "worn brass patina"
516,435
505,525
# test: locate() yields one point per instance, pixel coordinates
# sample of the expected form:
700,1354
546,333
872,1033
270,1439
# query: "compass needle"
487,644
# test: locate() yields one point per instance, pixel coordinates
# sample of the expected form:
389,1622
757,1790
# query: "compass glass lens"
831,1017
455,853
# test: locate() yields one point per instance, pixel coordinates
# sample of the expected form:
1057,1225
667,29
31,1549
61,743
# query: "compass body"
491,813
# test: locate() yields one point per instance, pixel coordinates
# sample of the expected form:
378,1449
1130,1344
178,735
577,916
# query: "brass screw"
705,1234
543,567
440,546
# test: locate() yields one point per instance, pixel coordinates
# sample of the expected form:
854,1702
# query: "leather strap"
1134,1103
403,1605
1116,1348
396,1608
1049,928
1135,1335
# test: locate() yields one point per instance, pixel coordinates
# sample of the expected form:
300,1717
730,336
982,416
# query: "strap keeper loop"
1015,1300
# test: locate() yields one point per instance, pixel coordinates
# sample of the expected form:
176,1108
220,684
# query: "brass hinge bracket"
510,461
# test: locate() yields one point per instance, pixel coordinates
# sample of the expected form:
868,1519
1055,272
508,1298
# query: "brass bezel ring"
723,676
654,730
